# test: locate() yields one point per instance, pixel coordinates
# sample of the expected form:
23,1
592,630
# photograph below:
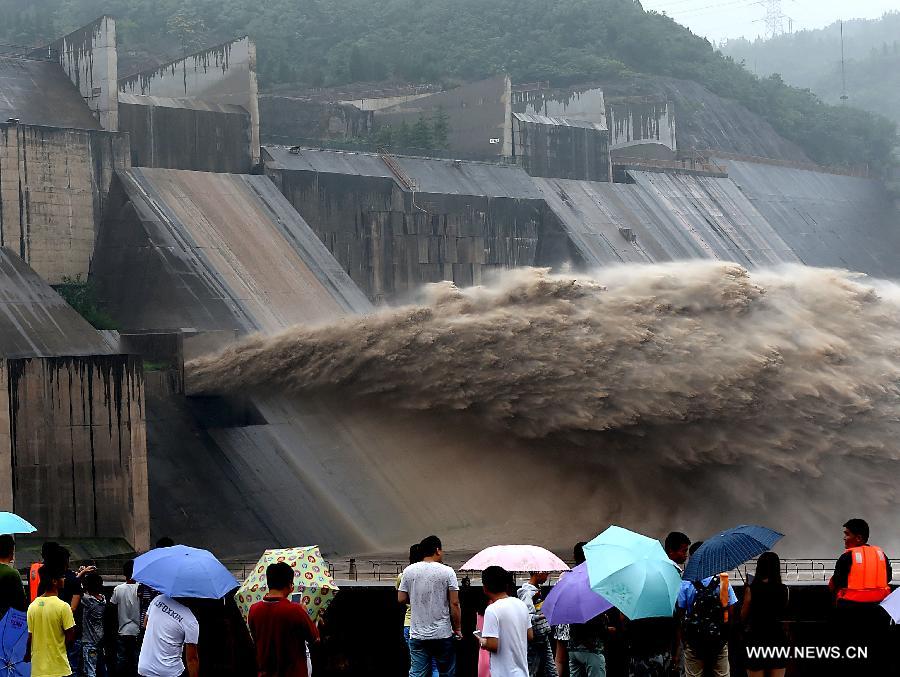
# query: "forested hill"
813,59
331,42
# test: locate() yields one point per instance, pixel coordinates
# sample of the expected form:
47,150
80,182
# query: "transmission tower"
774,18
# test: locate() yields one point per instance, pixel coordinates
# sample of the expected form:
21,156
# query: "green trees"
427,133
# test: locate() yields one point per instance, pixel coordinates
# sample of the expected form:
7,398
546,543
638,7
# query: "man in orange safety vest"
861,580
862,575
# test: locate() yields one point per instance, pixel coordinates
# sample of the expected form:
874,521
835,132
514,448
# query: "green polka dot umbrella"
314,587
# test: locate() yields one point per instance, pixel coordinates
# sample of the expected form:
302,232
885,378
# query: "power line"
712,9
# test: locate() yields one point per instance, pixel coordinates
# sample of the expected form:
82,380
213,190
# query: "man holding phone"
507,626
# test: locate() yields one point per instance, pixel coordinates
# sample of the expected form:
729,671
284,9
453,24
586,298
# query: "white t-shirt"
170,625
428,585
128,608
508,620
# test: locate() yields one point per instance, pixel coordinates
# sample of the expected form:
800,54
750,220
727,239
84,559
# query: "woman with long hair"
762,613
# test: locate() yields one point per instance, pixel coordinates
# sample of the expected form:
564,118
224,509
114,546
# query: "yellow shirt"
407,619
48,620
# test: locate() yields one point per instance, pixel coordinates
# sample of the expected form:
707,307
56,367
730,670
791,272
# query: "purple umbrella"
572,600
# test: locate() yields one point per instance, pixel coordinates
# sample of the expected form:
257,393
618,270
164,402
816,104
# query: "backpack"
704,626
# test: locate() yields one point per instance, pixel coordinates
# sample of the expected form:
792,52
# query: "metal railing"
688,163
860,171
810,571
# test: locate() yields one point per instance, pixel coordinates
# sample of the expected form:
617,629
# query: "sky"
721,19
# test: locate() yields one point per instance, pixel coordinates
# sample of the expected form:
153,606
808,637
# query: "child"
50,626
94,605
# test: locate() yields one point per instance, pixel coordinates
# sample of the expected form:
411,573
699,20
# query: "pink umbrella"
519,558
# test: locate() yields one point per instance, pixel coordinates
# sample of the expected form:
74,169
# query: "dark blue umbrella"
13,639
728,550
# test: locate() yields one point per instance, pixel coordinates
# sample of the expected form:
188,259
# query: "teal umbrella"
633,573
10,523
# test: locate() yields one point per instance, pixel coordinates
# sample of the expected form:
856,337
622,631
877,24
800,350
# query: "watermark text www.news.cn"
809,652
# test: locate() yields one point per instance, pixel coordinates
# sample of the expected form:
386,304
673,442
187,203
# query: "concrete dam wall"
466,218
242,472
826,219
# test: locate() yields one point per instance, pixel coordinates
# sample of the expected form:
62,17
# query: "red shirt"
280,630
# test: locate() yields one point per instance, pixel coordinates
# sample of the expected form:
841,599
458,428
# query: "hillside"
333,42
813,59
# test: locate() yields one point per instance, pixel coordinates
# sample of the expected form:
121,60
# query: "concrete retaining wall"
222,74
73,446
562,148
89,58
478,115
53,186
289,120
186,134
465,219
640,128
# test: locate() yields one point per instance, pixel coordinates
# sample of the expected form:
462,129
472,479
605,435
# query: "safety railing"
860,171
688,163
809,571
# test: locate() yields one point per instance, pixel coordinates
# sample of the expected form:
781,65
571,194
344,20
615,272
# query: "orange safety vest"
723,593
34,580
867,581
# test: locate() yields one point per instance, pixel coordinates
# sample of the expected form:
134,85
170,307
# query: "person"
762,615
652,643
415,555
225,645
862,574
540,653
280,628
172,630
12,592
51,627
677,547
146,594
34,580
861,580
561,633
587,645
128,616
704,608
507,626
71,593
93,606
431,589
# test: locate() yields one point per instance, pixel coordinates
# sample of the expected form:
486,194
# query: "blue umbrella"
572,600
181,571
10,523
729,549
633,573
13,639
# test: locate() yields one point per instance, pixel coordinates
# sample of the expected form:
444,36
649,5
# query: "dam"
193,243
